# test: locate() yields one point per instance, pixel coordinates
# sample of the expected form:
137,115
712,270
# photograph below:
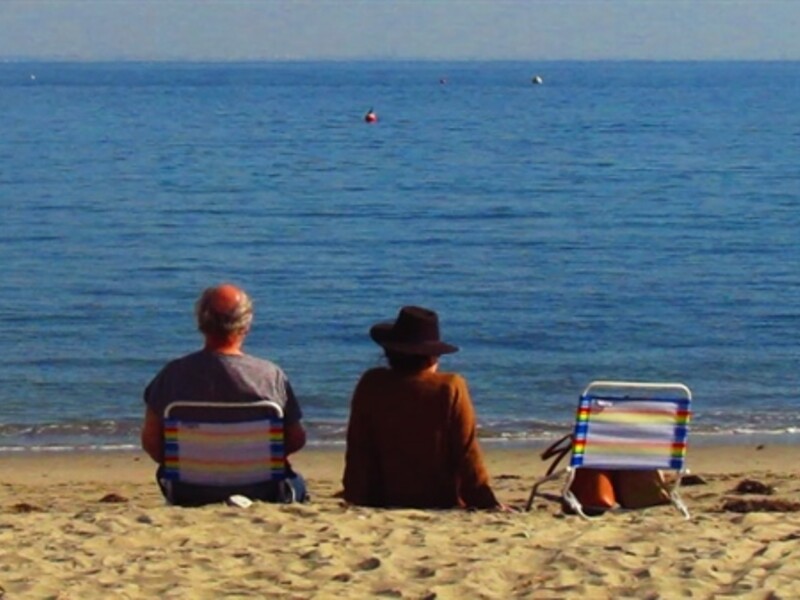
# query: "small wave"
108,434
70,448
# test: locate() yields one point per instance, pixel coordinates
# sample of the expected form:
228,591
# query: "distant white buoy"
537,80
33,77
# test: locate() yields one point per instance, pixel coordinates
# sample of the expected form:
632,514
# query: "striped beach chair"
625,425
216,450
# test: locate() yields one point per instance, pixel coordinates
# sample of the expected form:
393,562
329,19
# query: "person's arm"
294,434
153,435
473,479
294,437
359,467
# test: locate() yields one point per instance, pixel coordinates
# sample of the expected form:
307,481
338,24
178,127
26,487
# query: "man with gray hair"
222,372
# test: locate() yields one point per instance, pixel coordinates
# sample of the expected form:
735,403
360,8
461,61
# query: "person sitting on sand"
222,372
411,436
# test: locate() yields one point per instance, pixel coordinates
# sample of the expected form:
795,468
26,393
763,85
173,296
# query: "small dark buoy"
537,80
370,117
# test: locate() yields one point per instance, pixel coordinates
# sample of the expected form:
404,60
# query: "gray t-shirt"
206,376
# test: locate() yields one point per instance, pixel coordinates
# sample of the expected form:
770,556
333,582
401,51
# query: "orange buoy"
370,117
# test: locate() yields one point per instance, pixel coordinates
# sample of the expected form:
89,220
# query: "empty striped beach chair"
624,425
216,450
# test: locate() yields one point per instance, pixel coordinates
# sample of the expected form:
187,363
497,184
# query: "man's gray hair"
212,321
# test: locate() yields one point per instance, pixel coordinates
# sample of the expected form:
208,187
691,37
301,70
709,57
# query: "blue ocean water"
625,220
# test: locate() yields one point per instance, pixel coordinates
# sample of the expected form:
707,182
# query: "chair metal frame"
272,412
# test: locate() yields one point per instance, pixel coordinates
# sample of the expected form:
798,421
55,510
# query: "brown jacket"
411,442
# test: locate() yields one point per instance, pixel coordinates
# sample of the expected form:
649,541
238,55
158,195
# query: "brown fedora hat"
416,331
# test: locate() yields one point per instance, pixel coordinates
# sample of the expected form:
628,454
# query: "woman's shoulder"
385,374
449,379
376,374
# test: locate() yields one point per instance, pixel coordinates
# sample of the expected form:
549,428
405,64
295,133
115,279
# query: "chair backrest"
223,444
632,425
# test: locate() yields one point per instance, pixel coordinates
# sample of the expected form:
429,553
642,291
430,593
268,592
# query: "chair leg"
165,485
570,498
675,496
551,477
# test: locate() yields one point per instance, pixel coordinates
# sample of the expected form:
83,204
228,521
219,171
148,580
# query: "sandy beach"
76,526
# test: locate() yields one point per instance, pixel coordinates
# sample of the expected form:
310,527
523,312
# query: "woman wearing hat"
411,439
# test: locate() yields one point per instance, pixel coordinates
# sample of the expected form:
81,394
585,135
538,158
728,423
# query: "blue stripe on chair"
581,429
677,463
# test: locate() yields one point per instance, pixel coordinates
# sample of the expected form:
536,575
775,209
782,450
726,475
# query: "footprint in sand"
424,572
113,498
369,564
24,507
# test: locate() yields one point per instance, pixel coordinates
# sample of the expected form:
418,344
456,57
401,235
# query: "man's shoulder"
176,363
256,362
203,357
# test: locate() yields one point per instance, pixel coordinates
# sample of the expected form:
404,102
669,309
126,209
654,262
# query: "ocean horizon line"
374,60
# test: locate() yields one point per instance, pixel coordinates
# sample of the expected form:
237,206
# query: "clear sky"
410,29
